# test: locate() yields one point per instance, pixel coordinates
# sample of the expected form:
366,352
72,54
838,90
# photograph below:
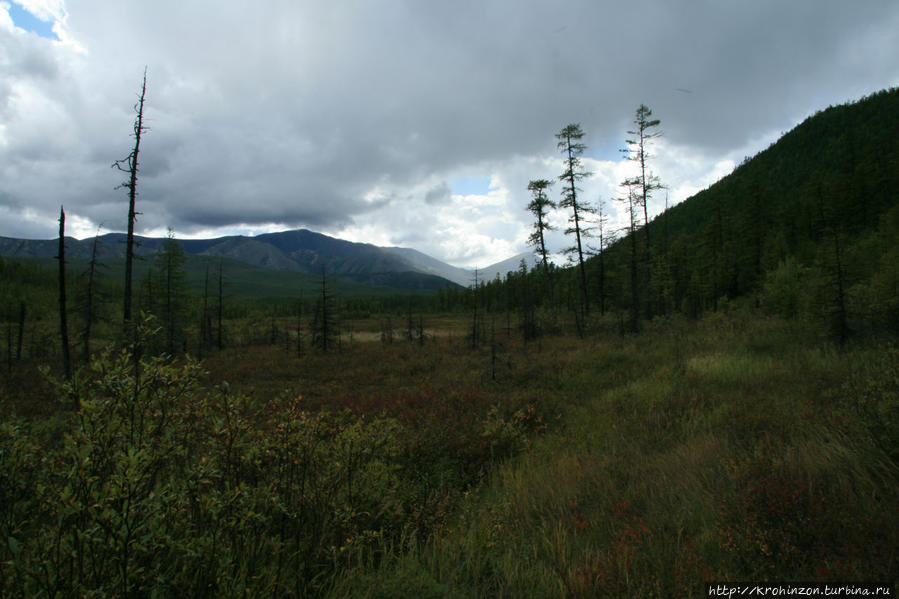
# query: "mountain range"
298,250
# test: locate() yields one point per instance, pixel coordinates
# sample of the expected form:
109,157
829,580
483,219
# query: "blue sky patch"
27,21
608,150
470,185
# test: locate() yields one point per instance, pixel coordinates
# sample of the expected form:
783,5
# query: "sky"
411,123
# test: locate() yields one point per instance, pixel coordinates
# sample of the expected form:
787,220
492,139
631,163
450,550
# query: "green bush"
159,487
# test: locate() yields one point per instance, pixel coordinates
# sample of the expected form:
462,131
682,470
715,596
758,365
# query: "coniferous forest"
710,395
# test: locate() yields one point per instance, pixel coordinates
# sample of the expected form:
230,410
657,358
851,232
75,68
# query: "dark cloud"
352,114
440,194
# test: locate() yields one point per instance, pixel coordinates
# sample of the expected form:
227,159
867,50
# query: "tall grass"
732,449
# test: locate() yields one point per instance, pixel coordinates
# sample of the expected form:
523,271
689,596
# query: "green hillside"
805,225
35,278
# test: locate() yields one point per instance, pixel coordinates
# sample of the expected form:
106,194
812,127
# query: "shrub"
160,487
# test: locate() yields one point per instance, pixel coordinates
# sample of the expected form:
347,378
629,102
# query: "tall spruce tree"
571,147
539,207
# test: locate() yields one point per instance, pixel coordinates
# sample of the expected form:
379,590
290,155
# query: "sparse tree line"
807,228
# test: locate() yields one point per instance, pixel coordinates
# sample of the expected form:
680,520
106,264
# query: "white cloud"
354,118
45,10
6,22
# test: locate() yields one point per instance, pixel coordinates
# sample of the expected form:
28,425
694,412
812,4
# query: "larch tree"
129,165
539,207
571,147
632,205
642,134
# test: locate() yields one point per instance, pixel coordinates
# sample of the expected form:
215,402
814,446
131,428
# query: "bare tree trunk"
63,322
130,166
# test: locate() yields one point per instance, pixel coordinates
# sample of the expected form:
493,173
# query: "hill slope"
811,224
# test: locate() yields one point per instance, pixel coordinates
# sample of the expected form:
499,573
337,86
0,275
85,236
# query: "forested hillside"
807,227
820,203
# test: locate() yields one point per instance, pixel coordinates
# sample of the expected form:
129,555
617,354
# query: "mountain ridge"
296,250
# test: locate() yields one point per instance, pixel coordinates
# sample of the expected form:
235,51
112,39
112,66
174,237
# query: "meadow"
733,447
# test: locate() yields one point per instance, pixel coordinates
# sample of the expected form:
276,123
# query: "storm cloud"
353,118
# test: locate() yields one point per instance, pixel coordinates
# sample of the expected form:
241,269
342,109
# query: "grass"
729,448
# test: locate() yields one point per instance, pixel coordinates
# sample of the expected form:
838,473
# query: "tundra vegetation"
737,419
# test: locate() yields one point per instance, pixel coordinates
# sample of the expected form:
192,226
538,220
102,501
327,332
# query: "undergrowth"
730,448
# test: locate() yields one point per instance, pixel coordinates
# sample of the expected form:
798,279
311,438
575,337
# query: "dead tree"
325,331
63,321
129,165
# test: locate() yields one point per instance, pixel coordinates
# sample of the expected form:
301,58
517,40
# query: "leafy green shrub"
159,487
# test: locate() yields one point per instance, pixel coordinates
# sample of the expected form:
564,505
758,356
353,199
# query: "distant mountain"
425,263
508,265
297,251
464,276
